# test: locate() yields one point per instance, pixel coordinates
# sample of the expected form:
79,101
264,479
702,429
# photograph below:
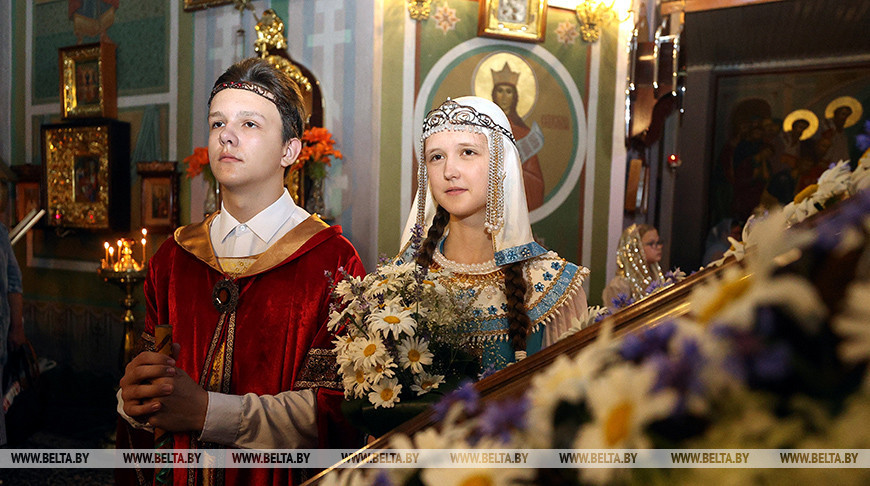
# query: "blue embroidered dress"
552,283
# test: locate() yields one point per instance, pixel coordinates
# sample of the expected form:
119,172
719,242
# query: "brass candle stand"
126,273
126,280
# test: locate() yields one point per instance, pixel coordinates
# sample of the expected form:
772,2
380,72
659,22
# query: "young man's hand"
156,392
184,408
146,379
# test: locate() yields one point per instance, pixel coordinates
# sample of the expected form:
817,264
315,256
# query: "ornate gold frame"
28,190
191,5
530,26
87,81
86,177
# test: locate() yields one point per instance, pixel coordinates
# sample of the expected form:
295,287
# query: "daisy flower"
382,370
563,381
737,248
592,315
769,239
387,280
335,318
853,325
414,353
833,182
797,211
425,382
345,288
344,348
393,320
622,404
398,272
385,393
368,352
735,297
860,178
355,381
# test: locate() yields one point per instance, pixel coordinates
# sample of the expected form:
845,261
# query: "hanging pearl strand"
422,187
495,194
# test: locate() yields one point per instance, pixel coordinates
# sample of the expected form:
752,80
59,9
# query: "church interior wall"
366,56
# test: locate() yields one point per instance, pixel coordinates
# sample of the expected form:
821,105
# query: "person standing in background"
12,334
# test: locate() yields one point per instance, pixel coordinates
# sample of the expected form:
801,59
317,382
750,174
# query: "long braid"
427,248
519,323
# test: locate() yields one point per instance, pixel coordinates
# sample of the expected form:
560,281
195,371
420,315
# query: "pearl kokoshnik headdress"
453,116
506,218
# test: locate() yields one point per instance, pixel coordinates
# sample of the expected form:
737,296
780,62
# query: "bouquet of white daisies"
398,340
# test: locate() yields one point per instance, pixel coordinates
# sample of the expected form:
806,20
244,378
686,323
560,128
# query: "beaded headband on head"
452,113
254,88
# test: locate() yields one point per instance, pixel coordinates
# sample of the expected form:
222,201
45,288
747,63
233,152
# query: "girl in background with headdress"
637,266
471,207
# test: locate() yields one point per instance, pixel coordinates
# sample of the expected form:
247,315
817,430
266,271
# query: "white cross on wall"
224,51
329,40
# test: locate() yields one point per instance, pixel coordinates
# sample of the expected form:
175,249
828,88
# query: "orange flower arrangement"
198,163
317,146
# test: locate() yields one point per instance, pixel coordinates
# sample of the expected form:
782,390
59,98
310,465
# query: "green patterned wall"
140,30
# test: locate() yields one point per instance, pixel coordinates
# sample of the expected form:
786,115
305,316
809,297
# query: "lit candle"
112,255
106,246
144,243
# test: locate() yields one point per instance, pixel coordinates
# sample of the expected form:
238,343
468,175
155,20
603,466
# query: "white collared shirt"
230,238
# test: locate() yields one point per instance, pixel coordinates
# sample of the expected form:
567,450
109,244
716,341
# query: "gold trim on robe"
196,239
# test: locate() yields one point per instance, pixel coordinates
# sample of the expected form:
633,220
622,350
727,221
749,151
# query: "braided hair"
427,248
519,323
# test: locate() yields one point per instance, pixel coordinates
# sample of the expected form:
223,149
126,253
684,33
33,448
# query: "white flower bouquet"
399,342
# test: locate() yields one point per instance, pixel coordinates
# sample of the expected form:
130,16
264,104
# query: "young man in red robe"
247,296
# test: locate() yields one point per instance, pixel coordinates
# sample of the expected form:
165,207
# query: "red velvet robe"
281,316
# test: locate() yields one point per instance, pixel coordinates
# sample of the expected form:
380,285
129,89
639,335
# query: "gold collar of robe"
196,239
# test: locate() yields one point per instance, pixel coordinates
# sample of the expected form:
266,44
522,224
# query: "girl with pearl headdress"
637,266
471,207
